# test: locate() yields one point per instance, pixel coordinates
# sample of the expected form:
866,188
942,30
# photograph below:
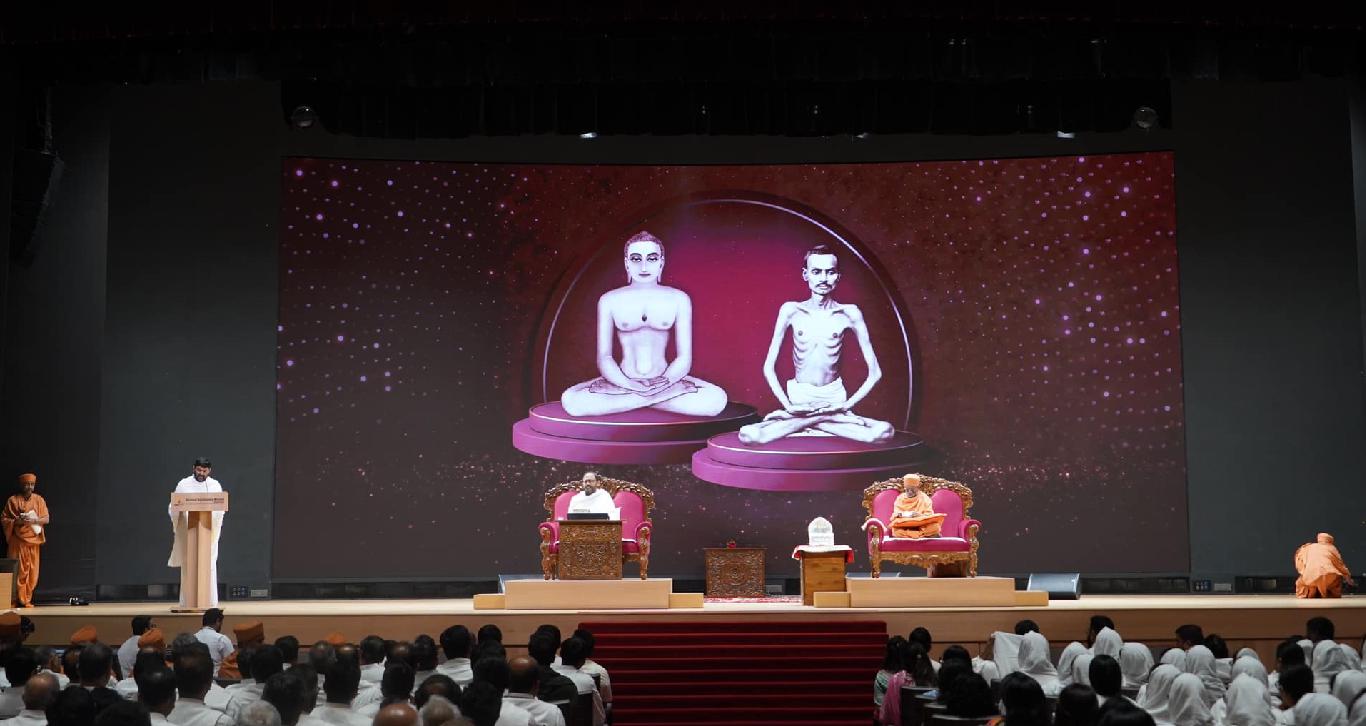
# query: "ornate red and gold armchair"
943,555
636,503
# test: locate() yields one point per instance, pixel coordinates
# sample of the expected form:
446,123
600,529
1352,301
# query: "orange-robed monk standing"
913,514
25,521
1321,569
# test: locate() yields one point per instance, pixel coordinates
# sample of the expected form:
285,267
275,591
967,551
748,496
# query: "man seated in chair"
593,499
913,515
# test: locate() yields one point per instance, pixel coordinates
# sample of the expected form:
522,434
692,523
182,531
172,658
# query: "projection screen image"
755,344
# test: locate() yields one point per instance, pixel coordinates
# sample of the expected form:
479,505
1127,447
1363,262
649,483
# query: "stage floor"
1256,621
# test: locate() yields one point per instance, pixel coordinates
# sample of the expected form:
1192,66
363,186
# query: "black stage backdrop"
109,394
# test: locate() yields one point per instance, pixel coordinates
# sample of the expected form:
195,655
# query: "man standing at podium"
24,518
198,483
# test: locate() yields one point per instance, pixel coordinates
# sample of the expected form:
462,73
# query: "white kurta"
599,502
179,521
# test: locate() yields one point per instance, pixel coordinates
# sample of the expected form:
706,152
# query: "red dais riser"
741,674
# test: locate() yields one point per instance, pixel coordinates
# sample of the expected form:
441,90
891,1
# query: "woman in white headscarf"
1108,643
1245,703
1353,657
1186,704
1200,663
1081,669
1033,662
1253,668
1347,686
1175,657
1154,696
1246,653
1329,660
1320,709
1069,655
1135,663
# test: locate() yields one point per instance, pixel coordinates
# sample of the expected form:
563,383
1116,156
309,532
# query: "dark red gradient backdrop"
1037,299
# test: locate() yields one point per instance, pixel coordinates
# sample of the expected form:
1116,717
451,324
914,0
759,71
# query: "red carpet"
741,674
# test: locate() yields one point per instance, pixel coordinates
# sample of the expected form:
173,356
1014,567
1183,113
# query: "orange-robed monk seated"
913,514
1321,569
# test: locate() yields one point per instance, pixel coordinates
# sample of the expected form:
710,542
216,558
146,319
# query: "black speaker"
1059,586
36,175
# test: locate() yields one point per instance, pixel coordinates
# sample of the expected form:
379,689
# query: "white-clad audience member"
523,682
1108,643
288,693
211,635
193,676
21,666
1253,668
1135,662
372,660
1348,686
572,656
265,662
340,686
456,644
1033,662
1245,704
1081,669
1200,663
437,711
1155,697
1320,709
258,713
1174,657
156,689
1329,660
39,693
593,668
1186,702
128,651
1066,662
395,686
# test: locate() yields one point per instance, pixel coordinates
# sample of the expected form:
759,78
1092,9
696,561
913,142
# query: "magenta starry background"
414,299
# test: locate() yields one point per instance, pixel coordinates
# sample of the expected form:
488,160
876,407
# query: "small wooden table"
734,571
590,549
822,572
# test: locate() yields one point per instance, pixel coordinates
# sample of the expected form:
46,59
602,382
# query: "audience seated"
893,662
372,653
1319,709
1107,642
1200,663
147,660
94,667
437,686
424,659
438,711
1295,682
1329,660
590,666
285,691
1118,712
305,673
1097,624
1245,704
970,696
123,713
948,675
481,703
495,672
340,687
1077,706
1081,669
456,643
1066,663
489,632
259,713
572,656
156,688
396,686
39,693
1033,662
1223,664
264,662
74,706
921,636
21,664
1188,636
1135,664
1105,679
1186,702
1155,697
555,688
1023,702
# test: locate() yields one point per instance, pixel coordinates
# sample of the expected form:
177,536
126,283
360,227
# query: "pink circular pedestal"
645,424
645,436
806,463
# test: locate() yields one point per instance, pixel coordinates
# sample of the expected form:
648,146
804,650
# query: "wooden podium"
590,549
196,546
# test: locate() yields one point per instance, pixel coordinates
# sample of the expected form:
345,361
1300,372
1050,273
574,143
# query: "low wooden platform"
1256,621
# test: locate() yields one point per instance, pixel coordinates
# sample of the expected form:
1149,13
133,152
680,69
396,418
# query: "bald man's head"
438,711
525,674
396,714
40,691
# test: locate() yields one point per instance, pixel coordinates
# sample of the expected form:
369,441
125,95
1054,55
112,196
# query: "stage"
1256,621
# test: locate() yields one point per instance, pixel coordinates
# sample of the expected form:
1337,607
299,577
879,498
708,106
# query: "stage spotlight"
1067,134
1145,117
303,117
589,135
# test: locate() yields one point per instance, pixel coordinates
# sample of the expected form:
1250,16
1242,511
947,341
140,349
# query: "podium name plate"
199,502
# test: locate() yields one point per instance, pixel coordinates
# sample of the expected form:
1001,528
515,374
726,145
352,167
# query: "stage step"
742,674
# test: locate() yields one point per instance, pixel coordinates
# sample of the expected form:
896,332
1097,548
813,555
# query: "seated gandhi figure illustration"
815,402
641,316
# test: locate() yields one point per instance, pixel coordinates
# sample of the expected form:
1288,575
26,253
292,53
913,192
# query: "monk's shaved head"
396,714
